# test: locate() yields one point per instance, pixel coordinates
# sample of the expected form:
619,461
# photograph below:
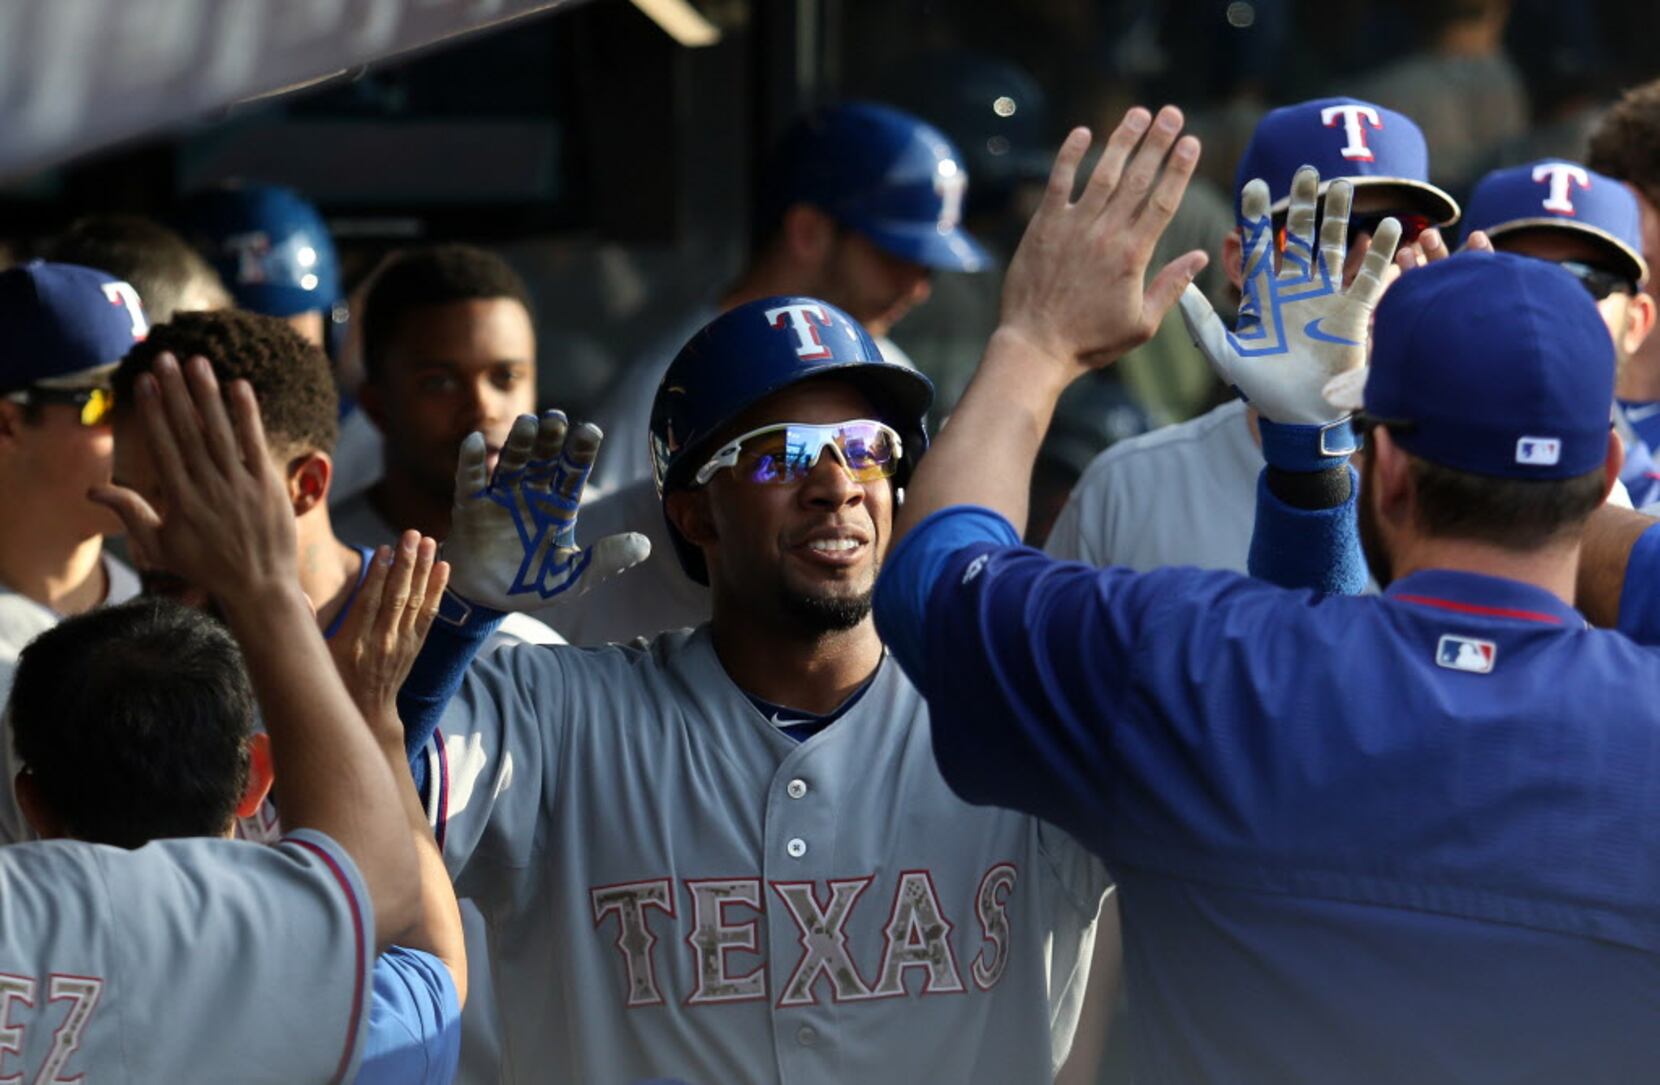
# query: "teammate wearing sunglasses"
726,855
65,327
1186,494
1590,225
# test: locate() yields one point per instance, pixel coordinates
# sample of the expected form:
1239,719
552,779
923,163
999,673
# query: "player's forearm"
330,775
436,928
984,455
1604,566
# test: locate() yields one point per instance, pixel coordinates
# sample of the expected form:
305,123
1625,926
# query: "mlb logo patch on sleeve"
1465,654
1538,451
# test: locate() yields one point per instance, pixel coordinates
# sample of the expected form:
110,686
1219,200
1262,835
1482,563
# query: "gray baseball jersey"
676,888
1181,495
186,960
655,596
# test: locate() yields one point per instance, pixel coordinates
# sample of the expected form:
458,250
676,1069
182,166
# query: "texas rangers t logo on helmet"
800,320
1562,178
125,298
1355,149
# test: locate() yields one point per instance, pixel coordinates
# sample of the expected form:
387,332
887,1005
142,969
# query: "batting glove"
1298,329
512,542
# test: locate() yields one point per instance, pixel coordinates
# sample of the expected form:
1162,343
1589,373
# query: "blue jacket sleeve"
455,638
414,1022
1308,548
1640,594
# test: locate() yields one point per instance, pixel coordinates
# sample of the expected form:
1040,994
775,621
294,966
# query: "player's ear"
1391,477
688,511
39,815
1639,321
11,421
309,475
260,775
1614,462
808,234
1233,259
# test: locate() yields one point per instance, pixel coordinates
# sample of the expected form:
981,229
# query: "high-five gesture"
1075,287
1298,327
512,543
225,519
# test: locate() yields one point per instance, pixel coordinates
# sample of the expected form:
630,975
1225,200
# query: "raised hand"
1298,327
512,542
386,626
225,520
1074,289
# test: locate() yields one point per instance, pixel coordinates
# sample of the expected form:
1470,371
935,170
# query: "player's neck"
1552,568
403,504
328,568
66,576
810,673
1640,380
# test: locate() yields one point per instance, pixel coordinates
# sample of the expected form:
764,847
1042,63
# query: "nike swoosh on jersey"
778,721
1641,411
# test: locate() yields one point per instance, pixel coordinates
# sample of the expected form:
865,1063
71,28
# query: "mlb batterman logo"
1538,451
1465,654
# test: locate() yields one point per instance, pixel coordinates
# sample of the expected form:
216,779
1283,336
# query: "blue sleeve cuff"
1640,594
1307,449
911,571
1308,548
455,638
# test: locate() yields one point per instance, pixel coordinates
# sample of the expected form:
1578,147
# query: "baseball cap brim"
1630,262
926,244
1440,208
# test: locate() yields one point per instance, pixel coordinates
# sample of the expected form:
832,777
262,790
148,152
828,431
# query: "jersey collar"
1478,596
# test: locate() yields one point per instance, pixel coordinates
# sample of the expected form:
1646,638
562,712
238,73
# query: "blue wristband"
1306,449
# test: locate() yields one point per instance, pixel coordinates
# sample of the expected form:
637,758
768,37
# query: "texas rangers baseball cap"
1492,363
59,321
1555,194
1366,144
892,177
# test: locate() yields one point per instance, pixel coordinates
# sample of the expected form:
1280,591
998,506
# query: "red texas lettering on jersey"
80,992
725,914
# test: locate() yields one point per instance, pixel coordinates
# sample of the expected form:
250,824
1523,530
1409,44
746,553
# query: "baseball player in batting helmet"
718,839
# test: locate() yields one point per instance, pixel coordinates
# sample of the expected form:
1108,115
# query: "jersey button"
797,847
806,1036
795,789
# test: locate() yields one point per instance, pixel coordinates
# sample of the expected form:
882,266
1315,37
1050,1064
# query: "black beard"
827,615
1371,537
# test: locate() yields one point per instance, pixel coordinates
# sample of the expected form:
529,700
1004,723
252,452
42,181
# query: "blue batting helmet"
886,174
269,245
752,351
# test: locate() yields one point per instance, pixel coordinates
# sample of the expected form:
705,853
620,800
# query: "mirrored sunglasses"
786,452
95,404
1597,281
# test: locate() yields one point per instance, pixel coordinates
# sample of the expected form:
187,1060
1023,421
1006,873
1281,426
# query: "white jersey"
1181,495
186,960
675,888
22,619
654,596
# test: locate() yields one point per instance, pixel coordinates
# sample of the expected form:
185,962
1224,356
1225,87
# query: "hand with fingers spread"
226,515
383,632
1075,287
1298,327
512,542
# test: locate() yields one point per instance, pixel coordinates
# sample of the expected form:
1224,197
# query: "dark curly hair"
290,377
1626,142
425,277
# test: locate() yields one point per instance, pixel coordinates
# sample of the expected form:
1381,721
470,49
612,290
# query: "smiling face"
452,369
802,554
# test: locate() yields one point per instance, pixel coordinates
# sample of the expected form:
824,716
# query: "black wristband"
1311,490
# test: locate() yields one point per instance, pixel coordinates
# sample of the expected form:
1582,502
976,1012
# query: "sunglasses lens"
788,454
96,410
